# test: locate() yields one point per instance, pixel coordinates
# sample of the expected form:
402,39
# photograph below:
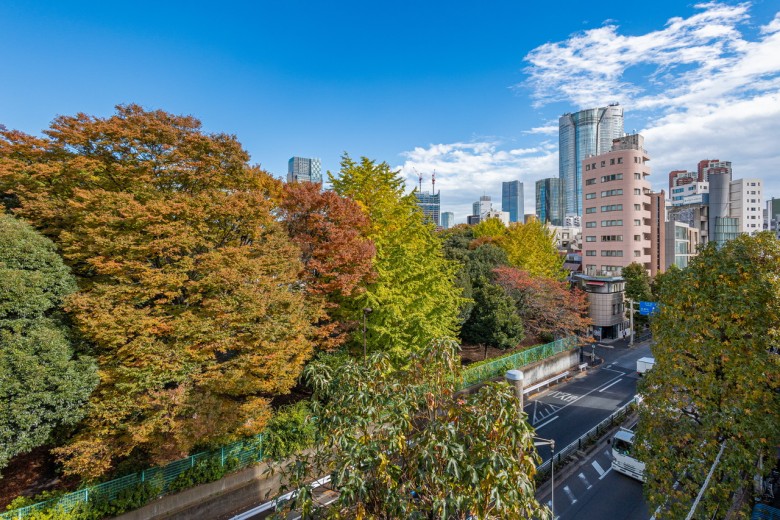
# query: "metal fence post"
143,475
222,456
192,461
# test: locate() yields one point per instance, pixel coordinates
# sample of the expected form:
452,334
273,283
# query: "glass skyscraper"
581,134
430,204
447,219
548,201
512,200
301,169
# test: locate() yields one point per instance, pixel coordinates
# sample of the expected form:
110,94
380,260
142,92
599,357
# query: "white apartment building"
746,204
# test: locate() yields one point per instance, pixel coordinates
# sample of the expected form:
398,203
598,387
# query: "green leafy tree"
637,282
494,320
716,379
403,444
43,386
491,228
531,247
659,280
190,295
414,297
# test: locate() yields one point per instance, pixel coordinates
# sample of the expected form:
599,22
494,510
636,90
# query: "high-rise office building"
582,134
302,169
548,201
710,166
512,200
618,214
482,206
447,219
430,204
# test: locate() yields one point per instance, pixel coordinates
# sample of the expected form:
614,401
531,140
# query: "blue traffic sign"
647,308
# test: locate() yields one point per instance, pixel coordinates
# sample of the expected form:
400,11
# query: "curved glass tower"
583,133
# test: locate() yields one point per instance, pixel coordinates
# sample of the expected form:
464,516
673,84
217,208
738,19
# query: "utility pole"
631,322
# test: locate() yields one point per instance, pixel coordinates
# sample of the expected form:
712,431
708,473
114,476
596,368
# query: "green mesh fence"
497,368
235,456
247,452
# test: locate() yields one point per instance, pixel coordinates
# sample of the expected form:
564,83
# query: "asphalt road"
567,411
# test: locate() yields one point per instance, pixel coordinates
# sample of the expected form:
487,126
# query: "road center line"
614,383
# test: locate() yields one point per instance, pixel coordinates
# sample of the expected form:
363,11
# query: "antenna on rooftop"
433,182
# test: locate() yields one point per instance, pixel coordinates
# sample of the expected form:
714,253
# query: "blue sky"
470,90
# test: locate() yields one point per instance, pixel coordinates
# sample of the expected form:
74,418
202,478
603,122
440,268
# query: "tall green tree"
414,298
491,228
637,282
190,296
43,385
531,247
403,444
716,379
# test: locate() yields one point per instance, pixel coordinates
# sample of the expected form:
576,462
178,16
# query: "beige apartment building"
616,220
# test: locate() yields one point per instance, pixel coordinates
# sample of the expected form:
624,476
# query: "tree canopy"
189,298
637,282
43,386
414,297
716,378
531,247
549,308
337,259
403,444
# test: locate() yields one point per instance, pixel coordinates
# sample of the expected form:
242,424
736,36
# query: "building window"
612,162
613,177
637,191
590,182
637,222
603,163
612,207
590,210
637,253
587,167
590,253
590,196
590,239
611,223
590,224
611,193
610,252
620,160
637,238
611,238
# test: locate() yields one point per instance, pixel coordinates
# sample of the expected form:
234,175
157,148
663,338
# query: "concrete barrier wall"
248,487
232,494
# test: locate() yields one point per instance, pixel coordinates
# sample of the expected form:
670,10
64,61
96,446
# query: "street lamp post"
366,312
515,378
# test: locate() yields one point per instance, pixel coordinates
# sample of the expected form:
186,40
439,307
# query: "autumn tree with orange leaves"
337,261
548,308
189,293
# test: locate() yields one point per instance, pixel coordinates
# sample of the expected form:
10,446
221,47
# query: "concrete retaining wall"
248,487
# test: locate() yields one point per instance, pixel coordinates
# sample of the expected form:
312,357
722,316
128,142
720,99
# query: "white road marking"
616,382
598,468
569,494
545,423
605,473
584,480
608,454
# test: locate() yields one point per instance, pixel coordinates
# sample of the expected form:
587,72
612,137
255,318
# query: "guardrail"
593,434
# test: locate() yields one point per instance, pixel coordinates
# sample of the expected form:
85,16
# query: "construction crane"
419,176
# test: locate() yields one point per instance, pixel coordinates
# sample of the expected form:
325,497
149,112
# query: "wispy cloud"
700,87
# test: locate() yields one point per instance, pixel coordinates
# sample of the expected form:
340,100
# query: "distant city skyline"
479,111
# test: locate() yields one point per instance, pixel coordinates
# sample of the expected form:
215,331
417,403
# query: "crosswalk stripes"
577,485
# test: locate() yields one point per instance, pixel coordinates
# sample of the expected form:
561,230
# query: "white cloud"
464,171
699,88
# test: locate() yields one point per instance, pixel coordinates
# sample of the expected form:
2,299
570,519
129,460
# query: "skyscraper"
581,134
512,200
482,206
548,201
430,204
447,219
301,169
